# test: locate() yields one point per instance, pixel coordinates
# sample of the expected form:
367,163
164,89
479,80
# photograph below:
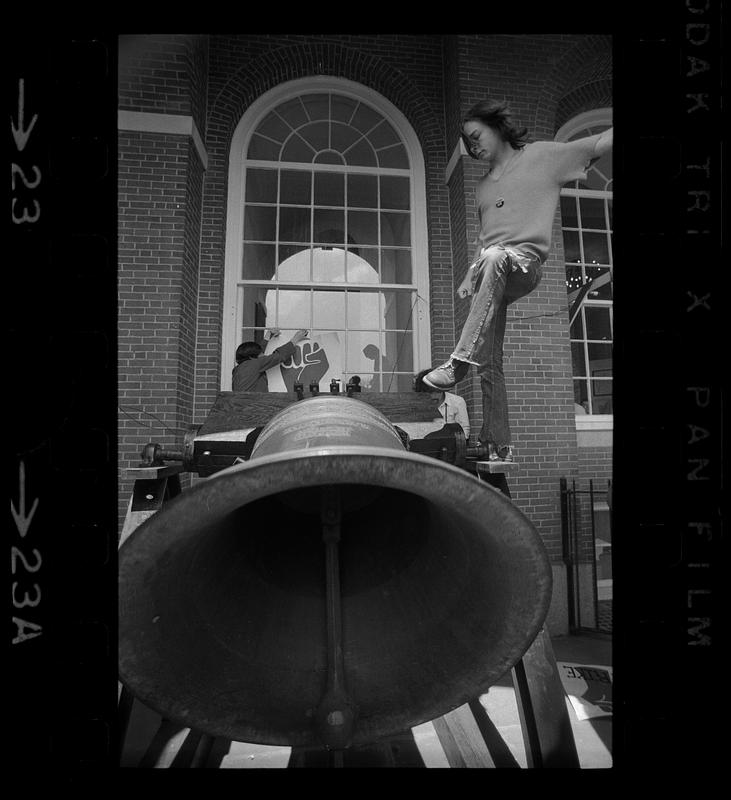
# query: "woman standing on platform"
516,200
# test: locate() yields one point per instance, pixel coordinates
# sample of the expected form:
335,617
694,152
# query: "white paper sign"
589,688
318,359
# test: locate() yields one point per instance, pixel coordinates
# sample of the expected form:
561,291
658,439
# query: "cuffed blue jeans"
502,275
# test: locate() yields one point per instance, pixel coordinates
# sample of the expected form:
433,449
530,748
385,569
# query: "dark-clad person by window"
249,374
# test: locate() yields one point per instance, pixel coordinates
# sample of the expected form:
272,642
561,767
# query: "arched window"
586,220
327,231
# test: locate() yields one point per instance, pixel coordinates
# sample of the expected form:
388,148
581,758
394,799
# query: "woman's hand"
299,336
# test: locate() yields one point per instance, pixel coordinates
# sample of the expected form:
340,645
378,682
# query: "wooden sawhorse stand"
463,733
544,719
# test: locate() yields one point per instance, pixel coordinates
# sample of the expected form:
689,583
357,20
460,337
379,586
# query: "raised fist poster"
317,359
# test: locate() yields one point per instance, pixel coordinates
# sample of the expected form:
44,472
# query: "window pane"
601,399
293,112
361,155
395,192
598,324
595,180
399,351
342,108
571,246
296,149
329,189
251,335
329,310
294,309
577,327
603,167
393,157
261,186
258,262
363,352
295,187
596,248
362,265
365,118
263,149
383,136
397,310
273,127
581,395
328,264
329,226
255,307
294,225
569,218
600,360
592,213
362,227
317,106
368,383
396,266
317,134
294,263
363,310
574,277
328,157
362,191
398,383
577,358
260,223
343,137
395,229
602,288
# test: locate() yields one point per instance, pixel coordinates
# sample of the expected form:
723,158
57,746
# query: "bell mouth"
444,585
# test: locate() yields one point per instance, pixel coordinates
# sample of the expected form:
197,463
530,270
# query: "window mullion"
320,167
346,332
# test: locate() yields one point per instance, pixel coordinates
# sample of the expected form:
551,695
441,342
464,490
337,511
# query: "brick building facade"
180,101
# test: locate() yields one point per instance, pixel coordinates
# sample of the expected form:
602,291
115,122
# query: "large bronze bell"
334,589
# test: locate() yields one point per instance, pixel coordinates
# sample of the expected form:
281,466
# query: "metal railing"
587,558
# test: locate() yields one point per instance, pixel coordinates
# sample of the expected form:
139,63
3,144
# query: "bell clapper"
335,715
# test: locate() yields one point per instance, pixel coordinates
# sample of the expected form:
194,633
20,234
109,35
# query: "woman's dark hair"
246,351
496,115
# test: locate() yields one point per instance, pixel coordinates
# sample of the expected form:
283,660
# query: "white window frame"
231,322
597,116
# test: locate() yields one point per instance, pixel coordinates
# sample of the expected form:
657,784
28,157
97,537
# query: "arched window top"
328,128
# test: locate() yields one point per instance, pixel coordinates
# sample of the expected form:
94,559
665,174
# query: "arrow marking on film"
23,520
21,134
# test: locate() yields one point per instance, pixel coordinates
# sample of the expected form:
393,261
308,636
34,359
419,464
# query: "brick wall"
160,73
160,180
596,463
154,361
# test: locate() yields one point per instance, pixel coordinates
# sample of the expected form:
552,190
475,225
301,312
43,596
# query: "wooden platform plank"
491,467
152,473
237,410
462,740
544,718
